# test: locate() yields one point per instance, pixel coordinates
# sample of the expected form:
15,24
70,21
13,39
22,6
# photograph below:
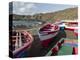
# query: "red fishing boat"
21,41
47,32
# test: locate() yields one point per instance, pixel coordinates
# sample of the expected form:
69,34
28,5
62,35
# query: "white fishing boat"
47,32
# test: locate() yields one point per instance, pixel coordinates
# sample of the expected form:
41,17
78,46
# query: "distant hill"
69,14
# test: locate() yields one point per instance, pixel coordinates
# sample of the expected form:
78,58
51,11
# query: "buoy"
75,50
55,50
59,45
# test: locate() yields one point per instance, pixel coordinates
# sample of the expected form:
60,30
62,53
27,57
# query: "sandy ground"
70,34
71,41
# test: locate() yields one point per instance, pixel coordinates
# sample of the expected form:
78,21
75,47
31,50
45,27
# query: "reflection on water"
26,23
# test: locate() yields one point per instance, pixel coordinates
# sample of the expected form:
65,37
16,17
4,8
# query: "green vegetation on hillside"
69,14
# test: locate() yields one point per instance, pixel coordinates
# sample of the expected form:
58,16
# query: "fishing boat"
47,33
20,41
72,26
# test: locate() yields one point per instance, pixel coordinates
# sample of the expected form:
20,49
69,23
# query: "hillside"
69,14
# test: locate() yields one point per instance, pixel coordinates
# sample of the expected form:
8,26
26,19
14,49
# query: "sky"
27,8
